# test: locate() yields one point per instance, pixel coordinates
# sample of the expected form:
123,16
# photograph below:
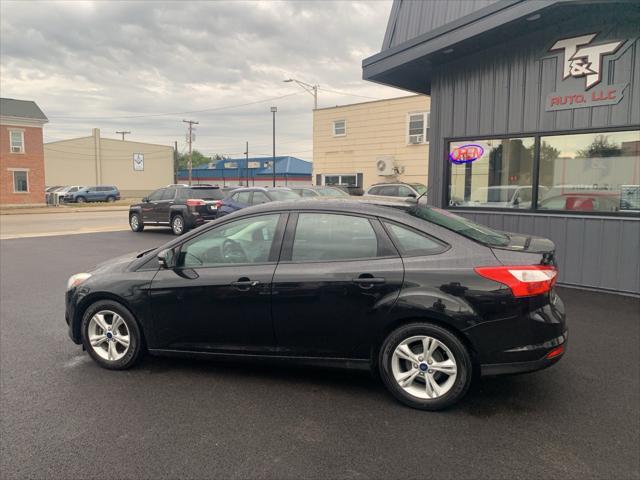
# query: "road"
64,417
49,224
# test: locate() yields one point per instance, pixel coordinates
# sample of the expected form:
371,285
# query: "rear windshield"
283,195
332,192
202,193
460,225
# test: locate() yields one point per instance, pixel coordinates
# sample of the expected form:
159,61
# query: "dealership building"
534,123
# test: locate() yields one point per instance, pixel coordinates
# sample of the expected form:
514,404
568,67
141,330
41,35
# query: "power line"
348,94
213,109
190,164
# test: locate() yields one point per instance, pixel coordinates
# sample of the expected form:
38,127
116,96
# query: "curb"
47,210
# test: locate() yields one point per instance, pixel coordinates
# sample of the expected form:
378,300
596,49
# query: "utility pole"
273,111
175,162
190,140
246,156
123,133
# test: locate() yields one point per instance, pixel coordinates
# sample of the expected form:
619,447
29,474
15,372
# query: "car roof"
396,183
260,189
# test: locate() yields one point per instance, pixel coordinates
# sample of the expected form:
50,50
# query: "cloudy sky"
138,65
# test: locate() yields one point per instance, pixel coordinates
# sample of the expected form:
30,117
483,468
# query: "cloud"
88,62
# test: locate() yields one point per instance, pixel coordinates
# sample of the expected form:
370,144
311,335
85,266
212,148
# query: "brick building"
21,153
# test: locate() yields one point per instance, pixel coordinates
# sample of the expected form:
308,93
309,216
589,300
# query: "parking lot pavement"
64,417
50,224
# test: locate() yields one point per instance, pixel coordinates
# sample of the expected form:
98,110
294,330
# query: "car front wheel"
135,222
111,199
111,335
425,366
81,199
177,224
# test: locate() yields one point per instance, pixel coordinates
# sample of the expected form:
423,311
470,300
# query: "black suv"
179,206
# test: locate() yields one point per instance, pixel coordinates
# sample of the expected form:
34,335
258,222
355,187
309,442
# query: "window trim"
444,246
333,129
426,120
537,136
22,146
13,180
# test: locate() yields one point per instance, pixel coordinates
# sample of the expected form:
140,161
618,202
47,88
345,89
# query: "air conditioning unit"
416,139
385,166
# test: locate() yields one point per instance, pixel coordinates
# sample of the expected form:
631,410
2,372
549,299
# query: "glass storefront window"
492,173
591,172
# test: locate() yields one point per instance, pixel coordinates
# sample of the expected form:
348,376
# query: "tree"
197,159
600,147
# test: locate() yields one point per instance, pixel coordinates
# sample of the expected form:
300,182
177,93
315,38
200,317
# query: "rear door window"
242,197
259,198
327,236
389,191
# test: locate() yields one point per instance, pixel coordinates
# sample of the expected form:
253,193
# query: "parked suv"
180,207
398,189
98,193
245,197
310,192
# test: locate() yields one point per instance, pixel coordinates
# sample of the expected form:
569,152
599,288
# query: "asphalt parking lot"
64,417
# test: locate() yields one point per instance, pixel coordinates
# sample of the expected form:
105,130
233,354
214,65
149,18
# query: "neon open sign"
466,154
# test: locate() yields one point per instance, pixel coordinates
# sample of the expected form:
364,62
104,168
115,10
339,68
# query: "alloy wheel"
109,335
424,367
134,221
177,225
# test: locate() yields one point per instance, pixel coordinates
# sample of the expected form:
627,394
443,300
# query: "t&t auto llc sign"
581,67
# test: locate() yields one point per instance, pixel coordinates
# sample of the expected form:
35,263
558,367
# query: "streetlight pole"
312,89
246,154
273,111
190,164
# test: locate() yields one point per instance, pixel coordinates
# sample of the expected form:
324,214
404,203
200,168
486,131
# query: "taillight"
217,203
556,352
524,281
193,202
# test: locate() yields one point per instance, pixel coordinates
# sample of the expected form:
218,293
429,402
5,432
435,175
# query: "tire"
177,224
80,199
135,222
428,387
106,313
111,199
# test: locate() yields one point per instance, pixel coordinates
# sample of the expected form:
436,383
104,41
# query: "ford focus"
427,299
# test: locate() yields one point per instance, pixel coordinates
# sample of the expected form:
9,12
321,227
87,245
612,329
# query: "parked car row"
81,194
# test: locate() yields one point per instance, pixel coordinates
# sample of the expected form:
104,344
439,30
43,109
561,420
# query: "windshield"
420,188
205,193
460,225
283,195
332,192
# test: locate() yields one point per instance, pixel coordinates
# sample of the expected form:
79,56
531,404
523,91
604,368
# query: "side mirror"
166,258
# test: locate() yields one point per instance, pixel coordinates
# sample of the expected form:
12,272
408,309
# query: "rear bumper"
511,368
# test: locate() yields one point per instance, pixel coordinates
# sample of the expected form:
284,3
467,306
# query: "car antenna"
421,195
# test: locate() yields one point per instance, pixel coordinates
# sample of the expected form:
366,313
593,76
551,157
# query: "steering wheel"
232,252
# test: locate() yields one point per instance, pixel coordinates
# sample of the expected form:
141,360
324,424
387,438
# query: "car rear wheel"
81,199
177,224
111,335
135,222
425,366
111,199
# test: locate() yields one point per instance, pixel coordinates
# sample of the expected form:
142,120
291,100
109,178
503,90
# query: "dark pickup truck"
180,207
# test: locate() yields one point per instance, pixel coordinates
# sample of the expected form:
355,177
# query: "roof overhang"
410,65
22,121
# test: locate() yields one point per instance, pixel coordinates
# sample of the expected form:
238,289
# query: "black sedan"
426,298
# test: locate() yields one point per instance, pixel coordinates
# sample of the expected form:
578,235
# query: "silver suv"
398,189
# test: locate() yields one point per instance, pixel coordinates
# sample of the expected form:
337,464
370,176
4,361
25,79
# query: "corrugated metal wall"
411,18
502,91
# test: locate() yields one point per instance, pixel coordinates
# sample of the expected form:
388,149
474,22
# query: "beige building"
372,142
135,168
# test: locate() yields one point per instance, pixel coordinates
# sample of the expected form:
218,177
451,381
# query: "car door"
338,277
389,191
149,213
218,296
163,205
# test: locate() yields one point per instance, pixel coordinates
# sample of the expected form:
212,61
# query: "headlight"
77,279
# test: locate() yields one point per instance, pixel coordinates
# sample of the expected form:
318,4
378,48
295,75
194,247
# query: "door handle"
244,284
368,281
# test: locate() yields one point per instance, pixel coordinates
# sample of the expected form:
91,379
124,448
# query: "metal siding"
634,109
414,18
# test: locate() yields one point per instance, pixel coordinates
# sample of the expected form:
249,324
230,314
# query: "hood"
118,263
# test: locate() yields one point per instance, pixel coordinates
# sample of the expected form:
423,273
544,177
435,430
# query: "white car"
66,190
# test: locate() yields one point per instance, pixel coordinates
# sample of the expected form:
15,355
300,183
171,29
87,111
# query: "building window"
591,172
583,172
491,173
339,128
20,181
349,180
418,128
17,141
